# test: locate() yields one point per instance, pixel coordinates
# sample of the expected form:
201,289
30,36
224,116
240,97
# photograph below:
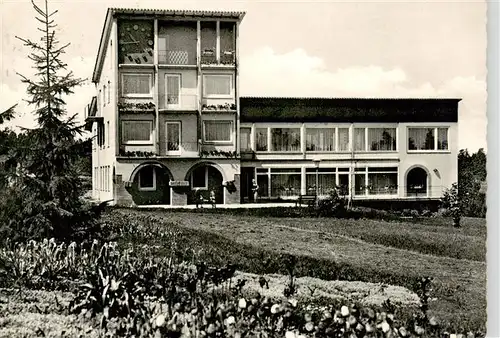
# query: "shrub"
332,206
453,205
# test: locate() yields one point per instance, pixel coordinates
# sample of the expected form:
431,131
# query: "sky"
295,48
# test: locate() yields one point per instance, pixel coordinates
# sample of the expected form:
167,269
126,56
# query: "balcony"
177,43
177,57
178,102
182,149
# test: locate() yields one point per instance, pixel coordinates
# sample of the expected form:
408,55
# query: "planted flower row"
131,296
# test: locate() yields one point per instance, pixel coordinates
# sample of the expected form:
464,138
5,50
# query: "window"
442,139
107,134
285,182
147,179
375,139
376,181
359,139
96,179
327,180
137,85
285,139
217,85
199,178
320,139
173,131
261,139
137,132
106,178
343,139
428,139
101,130
104,94
218,131
382,139
109,92
173,89
245,142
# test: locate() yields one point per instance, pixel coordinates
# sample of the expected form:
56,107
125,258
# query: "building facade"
168,124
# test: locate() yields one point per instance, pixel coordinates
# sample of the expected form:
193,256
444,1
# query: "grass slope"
364,250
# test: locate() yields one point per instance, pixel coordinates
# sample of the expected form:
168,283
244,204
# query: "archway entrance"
150,184
416,182
205,178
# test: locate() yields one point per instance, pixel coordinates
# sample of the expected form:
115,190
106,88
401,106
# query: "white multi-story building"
168,120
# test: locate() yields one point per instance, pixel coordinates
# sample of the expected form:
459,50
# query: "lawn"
364,250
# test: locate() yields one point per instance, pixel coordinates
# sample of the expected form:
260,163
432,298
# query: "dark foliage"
471,175
44,199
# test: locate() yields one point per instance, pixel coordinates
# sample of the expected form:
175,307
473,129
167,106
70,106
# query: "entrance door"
247,175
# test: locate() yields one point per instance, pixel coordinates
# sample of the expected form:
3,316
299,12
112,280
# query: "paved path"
221,206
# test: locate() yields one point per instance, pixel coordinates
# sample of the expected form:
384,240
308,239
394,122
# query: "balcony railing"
182,148
226,57
177,57
179,102
208,57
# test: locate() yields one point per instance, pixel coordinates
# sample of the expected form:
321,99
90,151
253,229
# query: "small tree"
46,199
452,203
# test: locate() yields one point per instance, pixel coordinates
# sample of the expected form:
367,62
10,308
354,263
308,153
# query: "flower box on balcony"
219,107
136,107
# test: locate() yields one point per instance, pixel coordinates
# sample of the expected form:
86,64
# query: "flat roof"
237,15
307,109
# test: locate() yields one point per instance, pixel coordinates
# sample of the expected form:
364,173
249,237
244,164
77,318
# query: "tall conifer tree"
45,200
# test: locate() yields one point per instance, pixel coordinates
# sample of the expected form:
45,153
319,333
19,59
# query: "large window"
137,85
245,141
376,181
320,139
375,139
428,139
137,132
327,180
327,139
218,131
147,178
285,139
261,139
218,86
285,182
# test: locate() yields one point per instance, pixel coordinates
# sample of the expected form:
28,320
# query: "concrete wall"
104,156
